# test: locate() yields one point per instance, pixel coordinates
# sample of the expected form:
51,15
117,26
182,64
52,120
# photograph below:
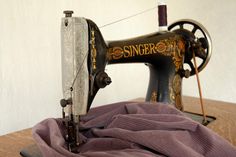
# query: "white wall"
30,74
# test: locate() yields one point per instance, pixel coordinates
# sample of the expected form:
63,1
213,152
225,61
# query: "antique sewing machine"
85,54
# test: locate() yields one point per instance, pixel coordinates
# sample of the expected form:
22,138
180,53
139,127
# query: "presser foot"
72,147
71,124
72,137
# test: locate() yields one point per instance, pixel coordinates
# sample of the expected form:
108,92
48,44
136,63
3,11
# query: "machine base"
31,151
199,117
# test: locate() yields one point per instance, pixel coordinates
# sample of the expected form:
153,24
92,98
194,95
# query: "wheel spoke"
191,66
198,34
194,29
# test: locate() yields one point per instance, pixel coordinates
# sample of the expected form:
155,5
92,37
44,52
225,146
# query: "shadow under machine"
85,54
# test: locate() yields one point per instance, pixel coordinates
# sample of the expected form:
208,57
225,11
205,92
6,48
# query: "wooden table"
224,125
225,113
11,144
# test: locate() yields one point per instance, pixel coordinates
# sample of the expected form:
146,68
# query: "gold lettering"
152,48
126,52
146,49
141,49
135,49
131,51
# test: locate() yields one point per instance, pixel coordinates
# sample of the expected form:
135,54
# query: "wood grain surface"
225,113
224,125
11,144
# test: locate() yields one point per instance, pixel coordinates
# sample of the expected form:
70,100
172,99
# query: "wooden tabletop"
225,113
11,144
224,125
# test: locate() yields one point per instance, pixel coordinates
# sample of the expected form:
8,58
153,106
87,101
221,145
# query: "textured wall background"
30,70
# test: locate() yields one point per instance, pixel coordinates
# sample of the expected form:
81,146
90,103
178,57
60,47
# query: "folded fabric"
133,129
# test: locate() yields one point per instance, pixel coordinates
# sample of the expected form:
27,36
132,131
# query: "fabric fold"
133,129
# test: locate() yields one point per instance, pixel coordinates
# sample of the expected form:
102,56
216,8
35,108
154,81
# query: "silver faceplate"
74,54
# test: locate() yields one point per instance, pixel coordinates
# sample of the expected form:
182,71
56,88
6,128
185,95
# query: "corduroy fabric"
134,130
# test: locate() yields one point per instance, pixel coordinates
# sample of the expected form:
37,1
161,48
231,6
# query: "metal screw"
107,80
68,13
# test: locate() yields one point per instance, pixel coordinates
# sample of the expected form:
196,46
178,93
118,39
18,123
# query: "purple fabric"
134,130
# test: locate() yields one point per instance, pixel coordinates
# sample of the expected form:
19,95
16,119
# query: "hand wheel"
198,41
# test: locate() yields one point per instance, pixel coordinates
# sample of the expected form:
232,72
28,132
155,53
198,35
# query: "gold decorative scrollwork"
173,47
178,102
175,91
94,51
153,97
161,47
178,55
115,53
177,84
171,91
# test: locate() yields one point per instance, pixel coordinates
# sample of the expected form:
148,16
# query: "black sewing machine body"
85,54
163,52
